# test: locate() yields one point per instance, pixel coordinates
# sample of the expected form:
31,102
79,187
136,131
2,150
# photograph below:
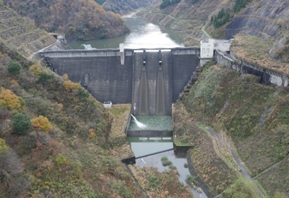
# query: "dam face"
149,79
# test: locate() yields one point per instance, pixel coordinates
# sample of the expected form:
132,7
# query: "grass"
241,188
255,50
255,117
160,184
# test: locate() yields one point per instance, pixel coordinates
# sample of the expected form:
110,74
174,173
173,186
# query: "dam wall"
184,63
152,83
101,72
150,79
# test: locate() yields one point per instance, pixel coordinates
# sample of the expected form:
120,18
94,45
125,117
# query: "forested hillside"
81,20
54,137
126,6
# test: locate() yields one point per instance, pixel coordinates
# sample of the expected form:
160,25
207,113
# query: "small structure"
208,46
107,104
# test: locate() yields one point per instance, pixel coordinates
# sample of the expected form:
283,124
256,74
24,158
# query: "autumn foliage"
92,133
36,70
69,85
78,19
10,100
42,123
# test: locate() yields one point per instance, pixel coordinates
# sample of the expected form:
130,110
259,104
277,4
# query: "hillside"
226,115
126,6
186,17
78,20
265,19
56,140
64,153
21,34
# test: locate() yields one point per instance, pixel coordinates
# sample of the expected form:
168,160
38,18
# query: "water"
142,35
179,162
139,124
153,123
142,146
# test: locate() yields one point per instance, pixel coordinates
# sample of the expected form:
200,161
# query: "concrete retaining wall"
266,75
151,133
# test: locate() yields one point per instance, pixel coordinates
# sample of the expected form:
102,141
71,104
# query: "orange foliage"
9,100
42,123
69,85
91,133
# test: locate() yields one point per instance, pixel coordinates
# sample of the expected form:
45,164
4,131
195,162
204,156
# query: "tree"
42,123
21,123
3,146
10,100
221,18
69,85
14,68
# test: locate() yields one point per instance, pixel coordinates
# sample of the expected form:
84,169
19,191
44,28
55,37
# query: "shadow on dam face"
152,90
149,79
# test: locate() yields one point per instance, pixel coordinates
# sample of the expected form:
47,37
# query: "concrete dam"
150,79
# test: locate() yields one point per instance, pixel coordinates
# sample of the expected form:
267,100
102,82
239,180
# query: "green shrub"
14,68
221,18
190,179
154,181
100,2
166,161
167,3
21,124
44,77
241,188
239,4
82,93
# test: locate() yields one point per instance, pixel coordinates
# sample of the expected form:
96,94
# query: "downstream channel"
148,35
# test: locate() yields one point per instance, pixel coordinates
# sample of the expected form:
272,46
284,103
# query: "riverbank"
225,110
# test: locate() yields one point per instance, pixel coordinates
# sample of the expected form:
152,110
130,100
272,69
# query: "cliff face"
267,19
126,6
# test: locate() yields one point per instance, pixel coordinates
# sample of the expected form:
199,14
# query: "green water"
142,35
153,123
